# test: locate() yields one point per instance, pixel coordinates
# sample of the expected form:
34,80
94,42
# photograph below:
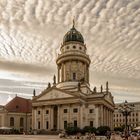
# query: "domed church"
69,99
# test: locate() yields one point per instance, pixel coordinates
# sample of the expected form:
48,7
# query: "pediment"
109,98
53,94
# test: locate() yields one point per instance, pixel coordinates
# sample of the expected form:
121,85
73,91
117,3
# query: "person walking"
112,136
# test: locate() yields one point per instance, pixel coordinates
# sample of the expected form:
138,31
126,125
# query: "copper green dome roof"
73,35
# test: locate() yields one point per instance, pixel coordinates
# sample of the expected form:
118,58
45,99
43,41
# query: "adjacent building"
133,118
16,114
70,100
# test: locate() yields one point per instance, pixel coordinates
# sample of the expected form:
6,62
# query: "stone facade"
70,101
133,118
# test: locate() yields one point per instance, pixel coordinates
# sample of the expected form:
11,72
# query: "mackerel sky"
31,32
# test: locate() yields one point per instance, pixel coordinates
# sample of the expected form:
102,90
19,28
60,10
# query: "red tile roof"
19,105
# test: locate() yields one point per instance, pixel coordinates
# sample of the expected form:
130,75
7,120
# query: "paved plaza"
28,137
40,137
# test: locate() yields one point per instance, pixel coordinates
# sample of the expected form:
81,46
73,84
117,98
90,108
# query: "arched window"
11,121
21,122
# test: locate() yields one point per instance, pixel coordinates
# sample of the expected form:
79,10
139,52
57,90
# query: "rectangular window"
65,124
91,123
75,110
91,111
38,124
65,110
47,111
75,123
47,125
74,76
38,112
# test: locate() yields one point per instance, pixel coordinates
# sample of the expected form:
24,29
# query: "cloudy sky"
31,32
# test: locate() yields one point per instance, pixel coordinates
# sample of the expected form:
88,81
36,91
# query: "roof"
73,35
19,105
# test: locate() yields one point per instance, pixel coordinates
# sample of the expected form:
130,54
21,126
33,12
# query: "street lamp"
126,110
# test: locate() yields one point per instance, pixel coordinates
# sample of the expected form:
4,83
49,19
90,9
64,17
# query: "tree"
72,130
121,128
102,130
89,129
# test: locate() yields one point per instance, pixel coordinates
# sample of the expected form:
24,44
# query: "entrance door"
55,111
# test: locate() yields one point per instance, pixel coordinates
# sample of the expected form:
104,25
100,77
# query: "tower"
73,62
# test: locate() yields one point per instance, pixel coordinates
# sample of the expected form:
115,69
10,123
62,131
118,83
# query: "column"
69,113
101,114
86,111
51,118
41,120
35,118
81,116
58,117
87,74
43,117
58,74
62,72
112,121
109,117
106,116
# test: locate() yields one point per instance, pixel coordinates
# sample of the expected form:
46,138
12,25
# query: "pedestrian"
93,137
112,136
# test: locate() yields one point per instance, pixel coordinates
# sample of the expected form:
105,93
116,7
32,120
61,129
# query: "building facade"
16,114
133,118
70,101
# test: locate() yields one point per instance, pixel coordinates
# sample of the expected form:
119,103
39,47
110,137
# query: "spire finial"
73,22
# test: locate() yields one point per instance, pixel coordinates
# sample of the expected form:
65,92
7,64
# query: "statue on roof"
94,90
49,85
107,89
54,80
34,92
101,88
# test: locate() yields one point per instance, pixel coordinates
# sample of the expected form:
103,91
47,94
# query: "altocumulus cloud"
31,32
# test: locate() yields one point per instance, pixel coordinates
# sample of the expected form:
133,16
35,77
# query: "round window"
74,47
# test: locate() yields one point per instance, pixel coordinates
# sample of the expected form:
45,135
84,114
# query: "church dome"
73,35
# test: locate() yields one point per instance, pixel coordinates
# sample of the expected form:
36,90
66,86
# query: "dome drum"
64,58
76,47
